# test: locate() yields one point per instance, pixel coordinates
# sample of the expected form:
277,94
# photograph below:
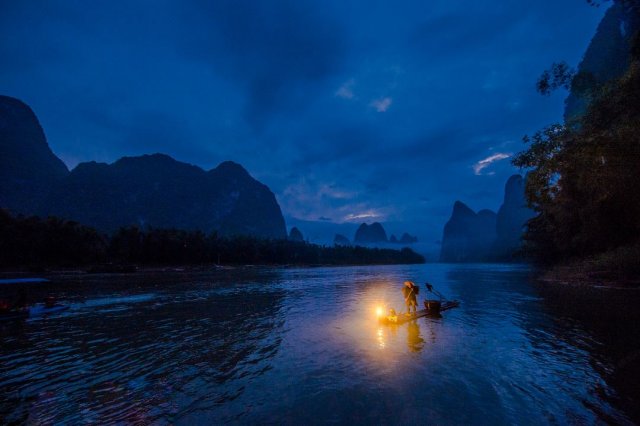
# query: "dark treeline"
36,242
585,179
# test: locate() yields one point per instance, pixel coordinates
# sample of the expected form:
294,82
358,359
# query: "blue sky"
349,111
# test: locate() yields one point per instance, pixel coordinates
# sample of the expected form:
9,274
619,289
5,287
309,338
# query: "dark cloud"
278,52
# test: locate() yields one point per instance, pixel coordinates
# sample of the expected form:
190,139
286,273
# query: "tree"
583,178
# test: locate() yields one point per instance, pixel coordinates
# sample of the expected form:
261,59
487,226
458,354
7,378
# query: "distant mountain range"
486,236
150,190
375,233
327,232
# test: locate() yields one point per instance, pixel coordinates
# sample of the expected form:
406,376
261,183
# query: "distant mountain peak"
486,235
296,235
28,167
156,159
514,190
15,104
341,240
461,209
231,167
373,233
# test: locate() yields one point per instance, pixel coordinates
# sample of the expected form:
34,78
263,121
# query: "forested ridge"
52,242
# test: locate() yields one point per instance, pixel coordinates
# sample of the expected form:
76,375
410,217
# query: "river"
302,346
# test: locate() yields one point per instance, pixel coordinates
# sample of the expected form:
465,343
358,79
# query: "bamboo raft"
433,308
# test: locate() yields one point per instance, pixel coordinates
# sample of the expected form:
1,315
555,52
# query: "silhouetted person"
410,291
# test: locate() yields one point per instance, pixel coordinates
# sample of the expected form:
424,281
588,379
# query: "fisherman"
410,291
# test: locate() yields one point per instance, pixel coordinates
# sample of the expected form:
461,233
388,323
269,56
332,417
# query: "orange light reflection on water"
384,349
381,342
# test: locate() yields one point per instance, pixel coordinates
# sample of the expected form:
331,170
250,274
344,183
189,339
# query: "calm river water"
302,346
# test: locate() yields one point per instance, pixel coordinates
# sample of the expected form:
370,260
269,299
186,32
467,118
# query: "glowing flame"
379,311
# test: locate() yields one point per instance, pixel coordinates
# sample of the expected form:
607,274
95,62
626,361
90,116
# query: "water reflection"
545,335
140,359
415,342
606,333
299,346
381,341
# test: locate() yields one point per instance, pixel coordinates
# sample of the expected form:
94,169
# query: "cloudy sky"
347,110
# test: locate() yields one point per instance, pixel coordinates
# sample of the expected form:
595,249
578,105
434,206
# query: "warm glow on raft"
379,311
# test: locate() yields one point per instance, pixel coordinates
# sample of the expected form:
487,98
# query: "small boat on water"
19,308
432,308
32,312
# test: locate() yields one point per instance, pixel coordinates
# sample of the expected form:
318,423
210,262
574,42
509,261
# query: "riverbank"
604,289
615,268
603,303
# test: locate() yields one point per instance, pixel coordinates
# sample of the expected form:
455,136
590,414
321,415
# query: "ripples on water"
303,345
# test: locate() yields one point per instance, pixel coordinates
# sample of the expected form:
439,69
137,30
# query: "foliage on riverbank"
584,182
35,242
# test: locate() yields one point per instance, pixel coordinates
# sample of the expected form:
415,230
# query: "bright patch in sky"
382,104
483,164
346,90
364,215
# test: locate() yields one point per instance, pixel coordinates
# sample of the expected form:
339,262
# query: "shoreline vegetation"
582,182
35,244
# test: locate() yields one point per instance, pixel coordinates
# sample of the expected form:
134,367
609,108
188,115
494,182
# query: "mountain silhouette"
147,191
